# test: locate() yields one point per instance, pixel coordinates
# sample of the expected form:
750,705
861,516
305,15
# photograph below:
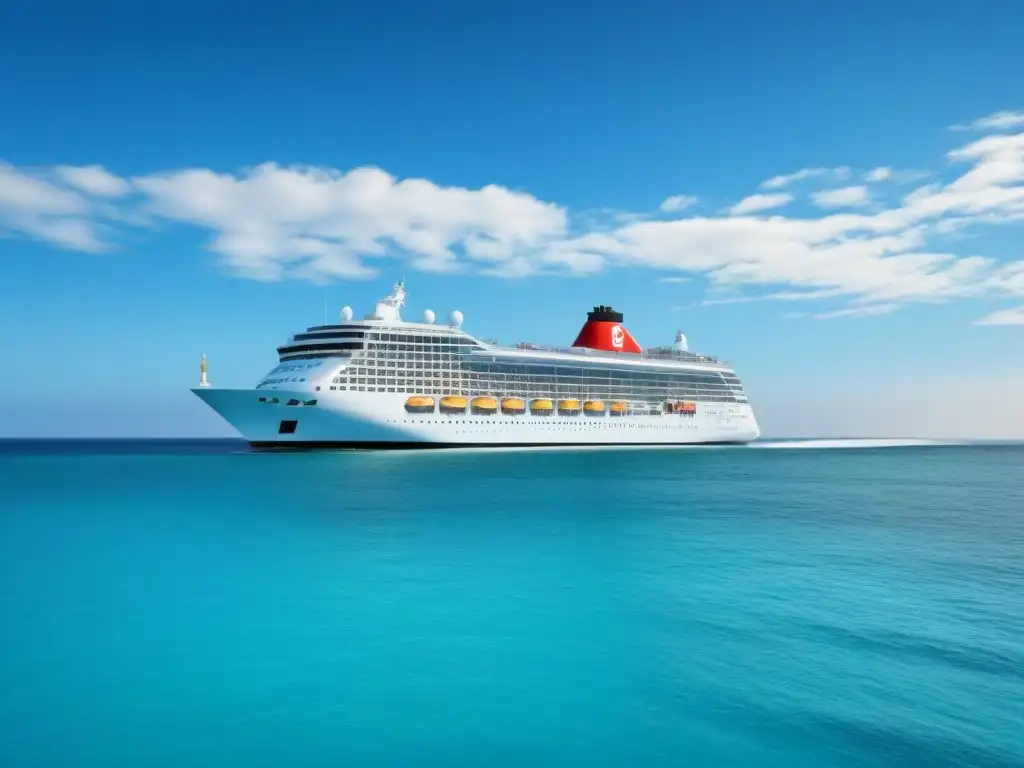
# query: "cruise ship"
384,382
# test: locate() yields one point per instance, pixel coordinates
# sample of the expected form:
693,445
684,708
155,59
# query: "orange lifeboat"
419,404
541,406
453,404
569,407
513,406
688,407
484,405
619,409
594,407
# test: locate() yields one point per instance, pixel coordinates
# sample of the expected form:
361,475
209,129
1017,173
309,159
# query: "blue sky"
830,196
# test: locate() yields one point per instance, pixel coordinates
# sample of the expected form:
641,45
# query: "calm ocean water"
194,604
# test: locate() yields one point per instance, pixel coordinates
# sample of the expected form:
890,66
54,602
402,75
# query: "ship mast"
389,308
398,294
202,372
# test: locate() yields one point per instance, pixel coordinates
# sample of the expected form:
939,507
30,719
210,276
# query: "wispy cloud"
32,204
871,310
779,182
760,202
677,203
93,180
885,173
674,280
1013,316
998,121
728,300
825,293
844,197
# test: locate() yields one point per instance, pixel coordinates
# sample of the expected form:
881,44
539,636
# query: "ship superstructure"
383,382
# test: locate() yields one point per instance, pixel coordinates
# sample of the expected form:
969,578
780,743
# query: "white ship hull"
380,420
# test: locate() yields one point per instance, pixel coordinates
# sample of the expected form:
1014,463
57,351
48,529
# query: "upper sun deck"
386,326
352,336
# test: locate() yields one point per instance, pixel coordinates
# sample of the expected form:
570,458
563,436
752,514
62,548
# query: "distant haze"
993,410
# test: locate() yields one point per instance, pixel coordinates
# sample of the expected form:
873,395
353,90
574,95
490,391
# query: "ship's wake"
809,444
849,443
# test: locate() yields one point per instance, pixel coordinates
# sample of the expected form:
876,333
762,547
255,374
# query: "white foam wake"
853,443
808,444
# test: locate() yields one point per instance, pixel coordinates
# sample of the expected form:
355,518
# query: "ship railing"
654,353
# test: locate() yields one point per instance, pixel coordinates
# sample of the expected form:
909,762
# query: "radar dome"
428,316
346,314
455,318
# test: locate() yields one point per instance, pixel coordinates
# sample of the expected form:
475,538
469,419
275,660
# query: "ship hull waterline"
379,421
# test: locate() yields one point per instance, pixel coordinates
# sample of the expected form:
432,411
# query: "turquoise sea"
790,604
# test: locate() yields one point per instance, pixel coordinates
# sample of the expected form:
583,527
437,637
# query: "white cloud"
760,202
871,310
93,180
997,121
826,293
728,300
778,182
886,174
34,207
1013,316
674,280
677,203
271,222
21,192
843,197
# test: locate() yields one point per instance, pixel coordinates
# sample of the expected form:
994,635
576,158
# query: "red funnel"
604,331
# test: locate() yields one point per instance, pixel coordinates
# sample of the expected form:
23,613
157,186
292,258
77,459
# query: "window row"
428,372
434,390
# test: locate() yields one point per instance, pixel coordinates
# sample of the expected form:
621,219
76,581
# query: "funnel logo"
618,336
